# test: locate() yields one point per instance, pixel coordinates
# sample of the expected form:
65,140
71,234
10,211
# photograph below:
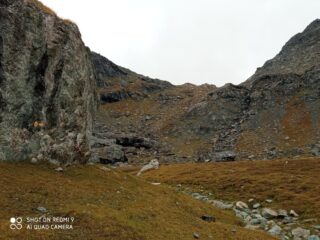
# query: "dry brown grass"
164,116
42,7
294,185
297,124
107,205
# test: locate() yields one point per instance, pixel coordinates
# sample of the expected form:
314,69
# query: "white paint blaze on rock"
153,164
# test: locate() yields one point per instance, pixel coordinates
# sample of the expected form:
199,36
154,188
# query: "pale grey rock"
282,213
300,233
293,213
252,227
256,206
109,155
196,235
59,169
287,220
153,164
275,230
314,237
41,209
269,213
225,156
222,205
241,205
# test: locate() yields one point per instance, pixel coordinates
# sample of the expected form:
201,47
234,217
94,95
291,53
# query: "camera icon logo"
16,223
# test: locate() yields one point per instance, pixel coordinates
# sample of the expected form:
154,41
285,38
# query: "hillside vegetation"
290,184
107,204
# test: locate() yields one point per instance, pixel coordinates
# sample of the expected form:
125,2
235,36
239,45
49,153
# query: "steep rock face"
47,85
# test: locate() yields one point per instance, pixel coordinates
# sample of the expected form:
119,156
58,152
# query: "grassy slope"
165,116
107,205
292,185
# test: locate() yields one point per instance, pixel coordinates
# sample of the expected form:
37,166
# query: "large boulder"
225,156
47,85
153,164
110,154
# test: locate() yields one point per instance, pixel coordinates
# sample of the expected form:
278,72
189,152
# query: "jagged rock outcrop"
116,83
273,114
47,85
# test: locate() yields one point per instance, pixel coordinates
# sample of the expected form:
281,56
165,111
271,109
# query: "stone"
241,214
275,230
155,184
41,209
257,205
252,227
135,141
259,221
153,164
282,213
34,160
241,205
251,200
222,205
317,227
287,220
225,156
293,213
103,168
269,200
208,218
59,169
196,235
54,162
110,154
314,237
198,196
300,233
40,156
269,213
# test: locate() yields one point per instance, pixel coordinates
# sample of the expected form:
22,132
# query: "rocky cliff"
47,85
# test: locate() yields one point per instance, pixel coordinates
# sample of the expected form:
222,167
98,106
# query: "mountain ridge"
226,121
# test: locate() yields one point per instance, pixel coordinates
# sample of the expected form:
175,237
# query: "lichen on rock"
47,85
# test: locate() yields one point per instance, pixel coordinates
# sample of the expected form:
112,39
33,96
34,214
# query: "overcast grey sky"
197,41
